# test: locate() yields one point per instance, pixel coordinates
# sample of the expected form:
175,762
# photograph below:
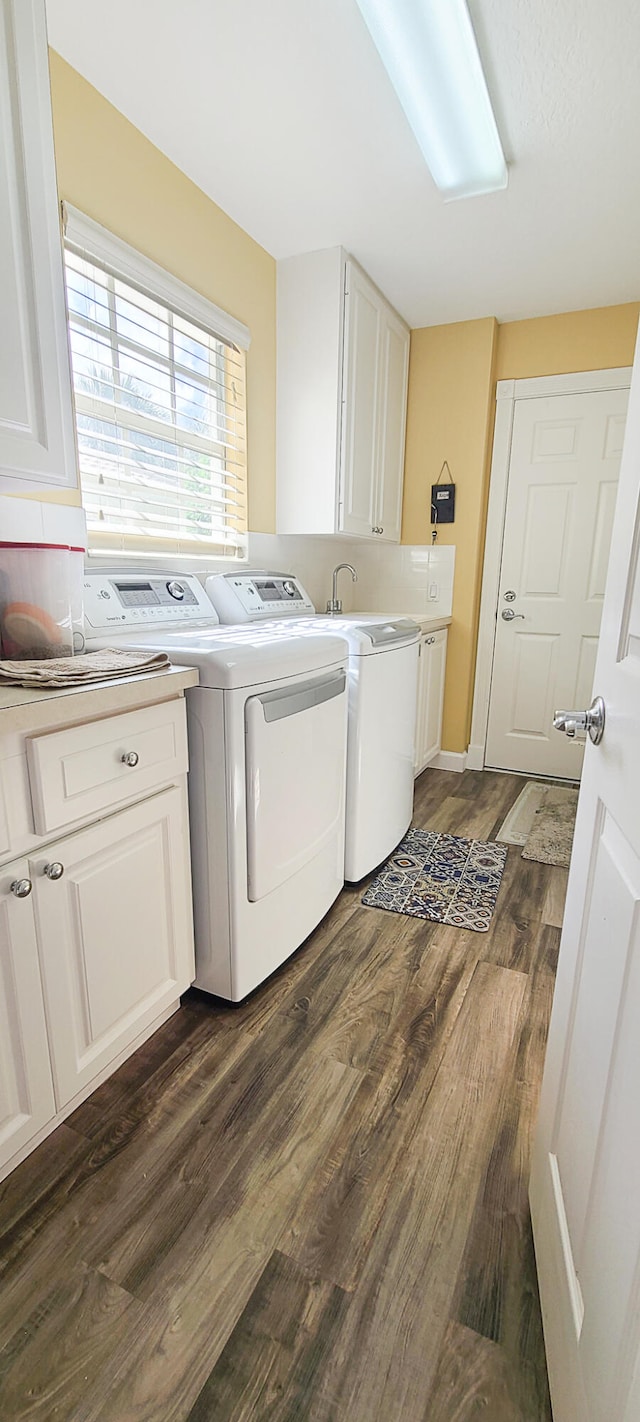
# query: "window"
159,386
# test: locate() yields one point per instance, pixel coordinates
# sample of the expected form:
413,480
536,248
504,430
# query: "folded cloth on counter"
111,662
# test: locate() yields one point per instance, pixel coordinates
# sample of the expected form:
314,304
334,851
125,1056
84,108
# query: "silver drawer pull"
21,888
54,870
130,758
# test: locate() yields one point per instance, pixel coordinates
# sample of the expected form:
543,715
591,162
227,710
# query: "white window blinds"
160,405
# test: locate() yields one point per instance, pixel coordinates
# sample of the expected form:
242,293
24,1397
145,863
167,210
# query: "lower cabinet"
26,1088
431,672
96,940
114,929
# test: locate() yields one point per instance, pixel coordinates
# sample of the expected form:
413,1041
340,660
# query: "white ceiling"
283,114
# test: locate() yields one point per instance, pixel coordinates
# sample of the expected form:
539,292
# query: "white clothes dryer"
267,730
383,673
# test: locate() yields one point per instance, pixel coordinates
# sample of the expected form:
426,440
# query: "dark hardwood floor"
313,1206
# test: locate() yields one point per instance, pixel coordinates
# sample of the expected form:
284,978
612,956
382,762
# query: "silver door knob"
21,888
591,721
130,758
508,614
510,596
54,870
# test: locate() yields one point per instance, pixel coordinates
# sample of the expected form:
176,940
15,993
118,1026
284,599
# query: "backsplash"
391,577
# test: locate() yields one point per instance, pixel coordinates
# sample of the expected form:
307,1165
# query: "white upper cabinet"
343,359
37,442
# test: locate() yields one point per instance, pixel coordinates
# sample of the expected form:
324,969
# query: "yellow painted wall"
452,375
449,416
559,345
109,170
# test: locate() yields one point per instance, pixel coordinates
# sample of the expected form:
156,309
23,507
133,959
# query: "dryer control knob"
289,588
175,590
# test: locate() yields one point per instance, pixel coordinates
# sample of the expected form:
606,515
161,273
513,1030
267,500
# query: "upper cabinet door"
37,442
360,392
394,374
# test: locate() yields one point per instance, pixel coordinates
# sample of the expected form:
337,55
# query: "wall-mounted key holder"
443,499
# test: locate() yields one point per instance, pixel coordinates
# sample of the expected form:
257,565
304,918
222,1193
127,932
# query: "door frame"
507,393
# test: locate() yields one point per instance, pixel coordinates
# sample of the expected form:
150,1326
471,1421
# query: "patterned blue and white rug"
441,877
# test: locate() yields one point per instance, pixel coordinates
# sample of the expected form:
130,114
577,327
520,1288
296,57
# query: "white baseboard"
450,760
475,758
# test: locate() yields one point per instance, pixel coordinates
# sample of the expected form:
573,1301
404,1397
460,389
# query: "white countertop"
426,624
430,624
37,706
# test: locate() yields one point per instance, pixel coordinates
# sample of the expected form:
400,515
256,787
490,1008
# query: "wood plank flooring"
313,1206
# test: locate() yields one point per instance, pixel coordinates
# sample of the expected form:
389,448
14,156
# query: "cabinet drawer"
83,770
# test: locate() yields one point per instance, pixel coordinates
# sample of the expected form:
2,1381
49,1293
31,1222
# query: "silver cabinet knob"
130,758
591,721
508,614
21,888
54,870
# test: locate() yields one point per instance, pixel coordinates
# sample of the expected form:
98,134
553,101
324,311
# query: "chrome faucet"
335,604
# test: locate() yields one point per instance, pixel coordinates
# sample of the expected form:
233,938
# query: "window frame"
126,263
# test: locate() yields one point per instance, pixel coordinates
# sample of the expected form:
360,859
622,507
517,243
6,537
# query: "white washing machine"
267,749
383,673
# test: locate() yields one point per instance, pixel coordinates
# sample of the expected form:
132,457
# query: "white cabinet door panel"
431,674
420,708
394,372
357,513
37,442
26,1088
115,933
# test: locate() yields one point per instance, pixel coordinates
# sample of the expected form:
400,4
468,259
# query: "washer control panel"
248,597
126,601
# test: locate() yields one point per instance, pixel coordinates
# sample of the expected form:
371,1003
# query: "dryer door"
296,742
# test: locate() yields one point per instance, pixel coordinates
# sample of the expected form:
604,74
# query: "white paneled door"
585,1184
563,476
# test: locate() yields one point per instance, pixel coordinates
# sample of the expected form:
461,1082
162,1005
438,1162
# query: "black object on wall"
443,500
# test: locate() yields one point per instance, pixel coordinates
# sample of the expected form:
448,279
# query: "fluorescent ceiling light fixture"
429,51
